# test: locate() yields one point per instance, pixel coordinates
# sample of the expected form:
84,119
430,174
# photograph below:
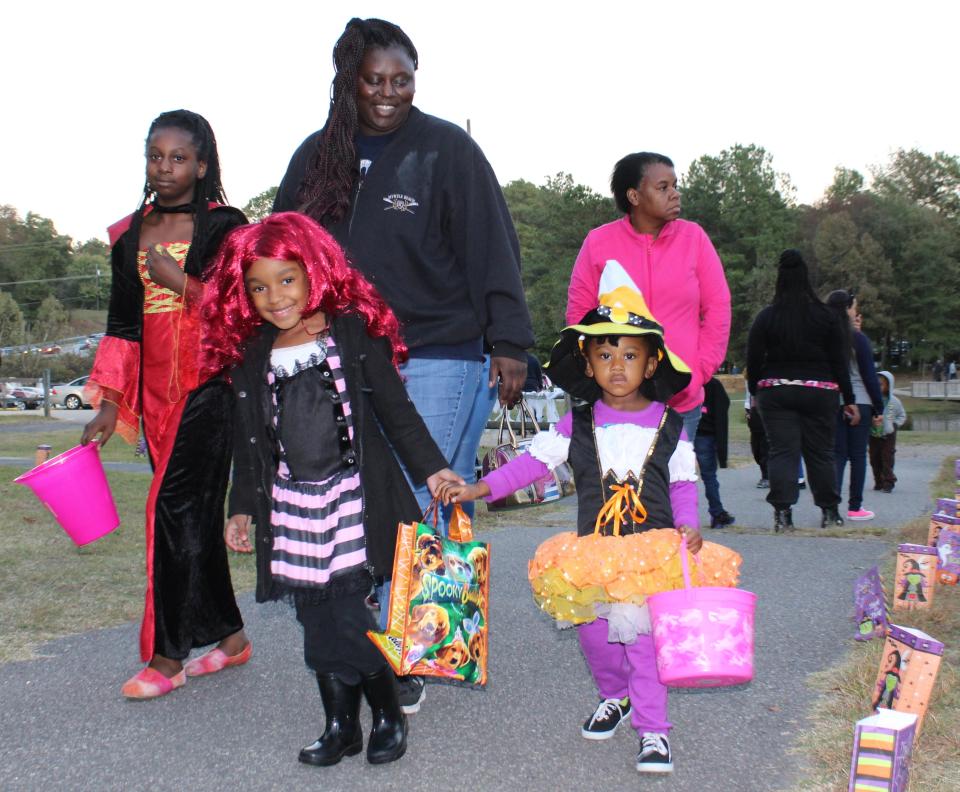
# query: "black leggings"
335,637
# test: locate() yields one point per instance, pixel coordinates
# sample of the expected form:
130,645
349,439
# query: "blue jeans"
691,420
705,447
851,444
454,400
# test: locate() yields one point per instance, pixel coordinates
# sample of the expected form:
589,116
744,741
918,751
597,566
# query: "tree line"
895,242
44,276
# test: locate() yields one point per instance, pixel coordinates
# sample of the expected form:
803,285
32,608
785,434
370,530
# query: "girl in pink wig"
313,350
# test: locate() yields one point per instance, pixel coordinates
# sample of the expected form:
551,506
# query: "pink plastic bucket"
703,636
74,488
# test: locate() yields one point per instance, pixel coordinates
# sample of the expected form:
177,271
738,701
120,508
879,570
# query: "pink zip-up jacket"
682,281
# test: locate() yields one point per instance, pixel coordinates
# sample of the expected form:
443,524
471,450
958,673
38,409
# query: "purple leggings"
627,669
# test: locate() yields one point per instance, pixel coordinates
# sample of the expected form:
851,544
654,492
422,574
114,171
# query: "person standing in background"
710,446
672,262
852,437
795,368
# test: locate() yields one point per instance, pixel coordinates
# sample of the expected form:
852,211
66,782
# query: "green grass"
24,444
49,587
846,688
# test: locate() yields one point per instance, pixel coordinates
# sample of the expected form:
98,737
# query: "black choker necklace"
180,209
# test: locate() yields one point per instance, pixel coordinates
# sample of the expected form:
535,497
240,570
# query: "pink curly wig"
228,315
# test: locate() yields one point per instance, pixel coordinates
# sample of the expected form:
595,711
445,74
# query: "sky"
817,84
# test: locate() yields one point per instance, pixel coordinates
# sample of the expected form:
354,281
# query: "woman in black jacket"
417,208
796,365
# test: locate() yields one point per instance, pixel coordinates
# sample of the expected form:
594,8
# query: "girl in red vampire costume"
146,374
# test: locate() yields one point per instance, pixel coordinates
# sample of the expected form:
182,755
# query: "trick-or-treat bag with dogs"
438,604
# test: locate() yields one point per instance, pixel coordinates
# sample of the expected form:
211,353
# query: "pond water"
934,422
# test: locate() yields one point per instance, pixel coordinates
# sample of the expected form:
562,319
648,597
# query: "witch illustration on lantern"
888,688
912,583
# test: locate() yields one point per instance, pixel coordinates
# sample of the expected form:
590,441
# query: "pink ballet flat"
150,684
216,660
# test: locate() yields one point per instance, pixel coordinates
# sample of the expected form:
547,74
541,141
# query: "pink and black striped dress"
317,502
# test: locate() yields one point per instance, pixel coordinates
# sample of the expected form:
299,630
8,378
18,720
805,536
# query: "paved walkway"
66,727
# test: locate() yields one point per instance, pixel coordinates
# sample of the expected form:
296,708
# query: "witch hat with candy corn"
621,311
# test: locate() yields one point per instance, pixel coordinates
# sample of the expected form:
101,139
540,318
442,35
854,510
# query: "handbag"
556,484
438,603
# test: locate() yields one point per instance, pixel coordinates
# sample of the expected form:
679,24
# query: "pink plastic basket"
703,636
74,488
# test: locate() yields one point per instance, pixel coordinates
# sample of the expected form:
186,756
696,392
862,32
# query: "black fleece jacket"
377,399
428,225
819,356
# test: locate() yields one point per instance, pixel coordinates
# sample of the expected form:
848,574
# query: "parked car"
70,394
8,402
31,397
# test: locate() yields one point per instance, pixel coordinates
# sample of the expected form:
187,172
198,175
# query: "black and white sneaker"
412,693
654,756
602,725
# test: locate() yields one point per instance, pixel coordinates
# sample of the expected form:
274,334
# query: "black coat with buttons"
377,399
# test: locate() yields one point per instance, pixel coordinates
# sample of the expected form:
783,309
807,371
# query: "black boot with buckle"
343,735
782,520
388,738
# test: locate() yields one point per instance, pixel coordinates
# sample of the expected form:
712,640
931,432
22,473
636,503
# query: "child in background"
635,468
320,403
883,436
710,446
146,370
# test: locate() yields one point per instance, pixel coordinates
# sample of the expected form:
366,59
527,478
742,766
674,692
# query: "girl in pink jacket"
673,263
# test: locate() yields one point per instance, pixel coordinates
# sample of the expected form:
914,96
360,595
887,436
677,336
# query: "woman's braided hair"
325,192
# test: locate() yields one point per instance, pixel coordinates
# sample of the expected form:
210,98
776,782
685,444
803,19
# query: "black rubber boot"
831,518
343,735
782,520
388,738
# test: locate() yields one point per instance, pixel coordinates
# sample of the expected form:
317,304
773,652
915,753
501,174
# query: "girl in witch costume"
314,350
147,369
635,472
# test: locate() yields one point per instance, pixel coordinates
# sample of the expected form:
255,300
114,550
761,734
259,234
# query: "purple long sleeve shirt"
527,467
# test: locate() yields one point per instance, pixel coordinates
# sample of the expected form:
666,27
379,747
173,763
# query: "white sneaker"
602,725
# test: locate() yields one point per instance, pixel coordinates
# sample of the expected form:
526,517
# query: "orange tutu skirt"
569,574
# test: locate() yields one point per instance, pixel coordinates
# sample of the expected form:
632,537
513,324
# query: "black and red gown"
148,364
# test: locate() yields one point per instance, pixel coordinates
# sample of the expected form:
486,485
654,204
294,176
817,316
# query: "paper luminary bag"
948,557
908,669
881,752
938,522
916,574
870,606
948,506
438,606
